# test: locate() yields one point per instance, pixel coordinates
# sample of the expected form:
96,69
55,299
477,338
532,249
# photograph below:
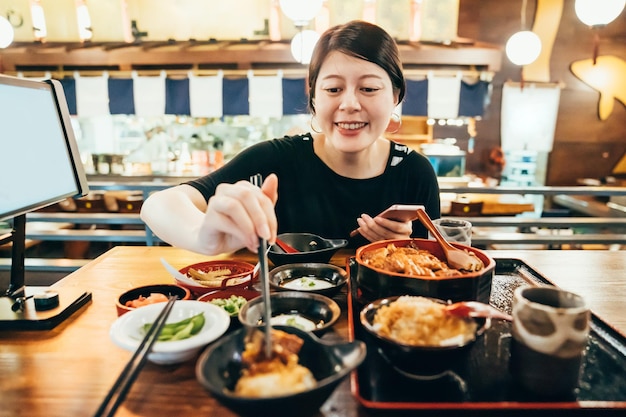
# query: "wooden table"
68,370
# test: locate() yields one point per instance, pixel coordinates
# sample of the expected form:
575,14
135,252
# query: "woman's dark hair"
362,40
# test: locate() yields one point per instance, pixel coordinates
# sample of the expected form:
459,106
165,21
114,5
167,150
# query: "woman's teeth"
351,125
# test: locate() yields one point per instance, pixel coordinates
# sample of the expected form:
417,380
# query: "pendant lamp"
6,32
596,14
523,47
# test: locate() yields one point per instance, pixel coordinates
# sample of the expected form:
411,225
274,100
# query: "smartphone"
398,212
402,212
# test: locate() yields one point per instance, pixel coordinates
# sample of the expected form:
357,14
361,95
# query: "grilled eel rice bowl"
418,267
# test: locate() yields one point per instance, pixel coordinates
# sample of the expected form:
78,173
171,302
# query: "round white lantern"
598,12
301,11
6,32
523,47
302,45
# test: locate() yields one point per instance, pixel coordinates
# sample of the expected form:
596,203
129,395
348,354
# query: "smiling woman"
323,182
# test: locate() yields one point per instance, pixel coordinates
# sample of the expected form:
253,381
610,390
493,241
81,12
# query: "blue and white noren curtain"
272,96
205,95
148,95
445,97
528,116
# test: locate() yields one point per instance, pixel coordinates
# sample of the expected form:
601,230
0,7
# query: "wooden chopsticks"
121,386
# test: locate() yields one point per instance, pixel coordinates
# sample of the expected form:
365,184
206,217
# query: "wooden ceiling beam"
229,53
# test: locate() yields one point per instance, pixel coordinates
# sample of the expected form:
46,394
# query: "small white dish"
126,332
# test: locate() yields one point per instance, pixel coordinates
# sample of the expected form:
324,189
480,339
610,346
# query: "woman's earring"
394,123
313,127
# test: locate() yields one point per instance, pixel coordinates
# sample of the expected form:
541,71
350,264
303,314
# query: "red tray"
482,385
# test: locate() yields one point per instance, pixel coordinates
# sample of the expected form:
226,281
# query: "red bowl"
145,291
239,292
240,276
374,283
248,294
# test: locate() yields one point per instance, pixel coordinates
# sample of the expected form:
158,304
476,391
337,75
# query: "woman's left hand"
379,228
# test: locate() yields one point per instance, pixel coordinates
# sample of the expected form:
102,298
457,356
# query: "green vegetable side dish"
232,304
180,330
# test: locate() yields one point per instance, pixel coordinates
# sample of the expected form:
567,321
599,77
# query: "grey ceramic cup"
550,334
455,230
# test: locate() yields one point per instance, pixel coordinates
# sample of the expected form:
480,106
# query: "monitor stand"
33,308
41,308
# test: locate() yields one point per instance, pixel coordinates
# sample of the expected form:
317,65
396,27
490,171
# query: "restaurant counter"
67,371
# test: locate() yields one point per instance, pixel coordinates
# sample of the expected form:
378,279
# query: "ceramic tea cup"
550,334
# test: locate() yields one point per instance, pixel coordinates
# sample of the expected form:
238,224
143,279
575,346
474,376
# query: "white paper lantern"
302,45
301,11
598,12
6,33
523,47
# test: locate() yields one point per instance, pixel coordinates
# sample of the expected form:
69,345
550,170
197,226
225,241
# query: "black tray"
482,384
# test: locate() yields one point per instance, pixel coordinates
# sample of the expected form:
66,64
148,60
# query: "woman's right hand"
238,214
235,217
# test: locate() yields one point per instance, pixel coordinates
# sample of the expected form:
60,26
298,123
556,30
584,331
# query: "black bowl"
320,310
309,273
374,283
219,367
425,361
313,249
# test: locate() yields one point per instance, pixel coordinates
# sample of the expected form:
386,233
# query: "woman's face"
354,100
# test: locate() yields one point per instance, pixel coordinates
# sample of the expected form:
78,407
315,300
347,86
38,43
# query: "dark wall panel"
584,145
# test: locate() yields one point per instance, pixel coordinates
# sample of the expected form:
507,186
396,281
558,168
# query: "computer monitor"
39,161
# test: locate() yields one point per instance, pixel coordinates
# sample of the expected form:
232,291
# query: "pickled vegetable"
232,304
179,330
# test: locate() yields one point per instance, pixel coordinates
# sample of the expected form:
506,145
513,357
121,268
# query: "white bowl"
126,331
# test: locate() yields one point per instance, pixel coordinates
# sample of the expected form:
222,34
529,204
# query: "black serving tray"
481,384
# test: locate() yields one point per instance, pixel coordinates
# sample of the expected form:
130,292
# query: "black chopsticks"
121,386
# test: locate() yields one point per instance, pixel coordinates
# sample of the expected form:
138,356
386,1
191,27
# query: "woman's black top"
313,198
